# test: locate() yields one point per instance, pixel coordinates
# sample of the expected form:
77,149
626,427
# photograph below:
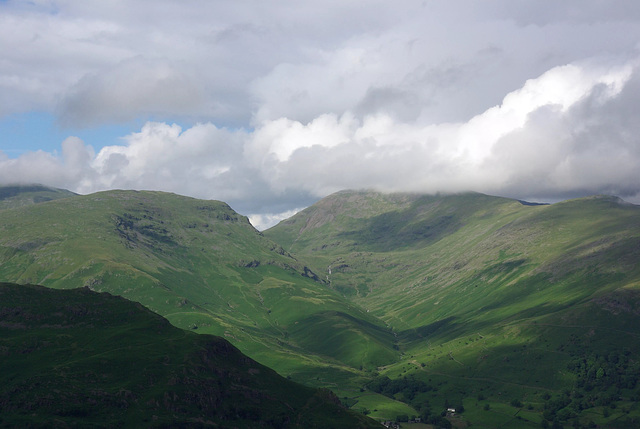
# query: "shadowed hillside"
76,358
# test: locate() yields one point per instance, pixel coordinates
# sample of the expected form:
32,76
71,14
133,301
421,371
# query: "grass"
472,294
83,359
379,407
481,292
200,264
26,195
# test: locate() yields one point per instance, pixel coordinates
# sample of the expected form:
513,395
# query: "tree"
402,418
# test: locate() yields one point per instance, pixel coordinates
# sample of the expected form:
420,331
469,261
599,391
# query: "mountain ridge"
19,195
447,298
197,262
479,288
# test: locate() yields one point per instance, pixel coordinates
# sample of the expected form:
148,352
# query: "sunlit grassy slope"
203,267
76,358
416,260
488,296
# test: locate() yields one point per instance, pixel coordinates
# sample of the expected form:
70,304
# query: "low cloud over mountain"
271,108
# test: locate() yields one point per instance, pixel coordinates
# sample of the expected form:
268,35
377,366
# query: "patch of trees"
409,387
601,381
601,372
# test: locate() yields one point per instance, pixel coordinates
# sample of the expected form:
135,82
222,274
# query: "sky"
270,106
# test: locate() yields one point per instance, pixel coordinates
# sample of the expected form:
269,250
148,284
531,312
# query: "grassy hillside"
24,195
402,304
490,298
203,267
76,358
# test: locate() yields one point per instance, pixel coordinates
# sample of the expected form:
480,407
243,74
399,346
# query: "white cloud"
283,136
262,221
202,161
282,104
570,131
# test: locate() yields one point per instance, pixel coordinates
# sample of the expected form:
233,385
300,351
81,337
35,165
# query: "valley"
489,297
516,315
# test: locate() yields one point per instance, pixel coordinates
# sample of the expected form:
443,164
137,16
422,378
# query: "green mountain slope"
24,195
401,303
76,358
203,267
489,297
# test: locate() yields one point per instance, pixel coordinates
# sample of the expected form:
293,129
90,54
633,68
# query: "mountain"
495,302
403,304
77,358
202,266
23,195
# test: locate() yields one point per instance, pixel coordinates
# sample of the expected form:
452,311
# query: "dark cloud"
137,87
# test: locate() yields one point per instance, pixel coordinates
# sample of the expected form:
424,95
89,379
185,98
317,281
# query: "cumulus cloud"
587,147
569,132
281,105
262,221
203,160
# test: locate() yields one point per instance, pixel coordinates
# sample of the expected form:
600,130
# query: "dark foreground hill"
77,358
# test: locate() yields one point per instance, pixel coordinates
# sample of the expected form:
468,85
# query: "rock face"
79,358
